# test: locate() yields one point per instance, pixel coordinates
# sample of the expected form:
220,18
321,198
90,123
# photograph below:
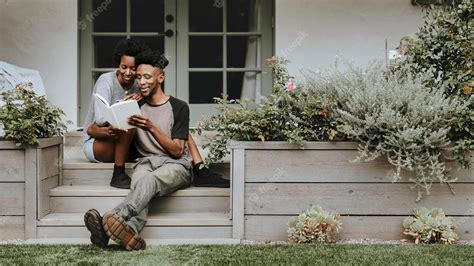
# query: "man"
165,164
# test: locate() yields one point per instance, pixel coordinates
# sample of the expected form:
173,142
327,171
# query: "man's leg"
203,177
130,217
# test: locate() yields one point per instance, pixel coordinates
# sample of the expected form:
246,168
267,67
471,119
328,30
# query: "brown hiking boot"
93,222
119,231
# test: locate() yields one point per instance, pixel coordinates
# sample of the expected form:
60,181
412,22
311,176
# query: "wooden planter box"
26,176
273,182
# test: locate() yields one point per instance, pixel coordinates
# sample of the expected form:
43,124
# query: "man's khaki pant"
151,178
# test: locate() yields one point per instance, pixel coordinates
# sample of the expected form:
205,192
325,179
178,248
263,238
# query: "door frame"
265,50
86,51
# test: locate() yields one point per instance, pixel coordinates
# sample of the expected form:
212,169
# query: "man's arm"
175,147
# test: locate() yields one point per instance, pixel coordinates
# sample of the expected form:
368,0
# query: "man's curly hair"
129,47
153,58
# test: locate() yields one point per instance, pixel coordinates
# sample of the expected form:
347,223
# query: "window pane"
204,86
238,15
147,16
240,49
108,16
205,15
205,51
235,81
104,51
155,43
96,75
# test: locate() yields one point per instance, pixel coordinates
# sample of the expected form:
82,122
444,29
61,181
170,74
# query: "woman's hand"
134,96
114,131
141,122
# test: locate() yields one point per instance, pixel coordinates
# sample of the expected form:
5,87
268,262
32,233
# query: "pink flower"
290,86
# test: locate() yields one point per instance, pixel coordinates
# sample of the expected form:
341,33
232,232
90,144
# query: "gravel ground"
252,242
351,241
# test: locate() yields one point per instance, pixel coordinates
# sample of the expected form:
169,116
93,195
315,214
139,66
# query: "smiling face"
149,79
127,70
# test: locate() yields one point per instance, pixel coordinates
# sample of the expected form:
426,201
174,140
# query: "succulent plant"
314,225
430,226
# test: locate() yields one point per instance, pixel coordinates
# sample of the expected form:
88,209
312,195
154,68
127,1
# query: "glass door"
102,23
222,46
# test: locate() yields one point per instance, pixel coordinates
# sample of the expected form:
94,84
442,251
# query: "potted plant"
30,159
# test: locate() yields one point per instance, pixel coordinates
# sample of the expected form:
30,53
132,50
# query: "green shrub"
26,116
314,225
392,115
443,49
292,113
430,226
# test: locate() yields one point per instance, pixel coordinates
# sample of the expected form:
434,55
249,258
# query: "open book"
118,113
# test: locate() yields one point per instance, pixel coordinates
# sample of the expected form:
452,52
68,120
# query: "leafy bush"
392,115
26,116
292,113
443,48
314,225
430,226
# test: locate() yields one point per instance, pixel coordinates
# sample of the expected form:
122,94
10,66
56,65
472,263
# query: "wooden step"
149,242
77,170
74,139
192,225
71,199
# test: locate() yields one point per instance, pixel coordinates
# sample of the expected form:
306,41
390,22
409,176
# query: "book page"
104,109
122,111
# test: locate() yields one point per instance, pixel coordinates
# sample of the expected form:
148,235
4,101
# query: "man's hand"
140,122
134,96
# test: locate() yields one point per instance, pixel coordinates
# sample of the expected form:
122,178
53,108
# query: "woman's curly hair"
129,47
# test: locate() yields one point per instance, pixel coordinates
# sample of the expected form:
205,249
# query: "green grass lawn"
241,254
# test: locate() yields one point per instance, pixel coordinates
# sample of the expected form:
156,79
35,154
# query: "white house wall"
311,33
42,35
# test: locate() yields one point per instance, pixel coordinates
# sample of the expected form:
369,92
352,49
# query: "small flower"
290,86
467,90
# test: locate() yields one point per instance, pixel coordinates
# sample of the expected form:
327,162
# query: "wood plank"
161,219
48,159
188,232
282,145
107,191
356,199
12,227
44,142
12,199
44,204
61,160
92,177
12,165
313,166
158,205
31,190
326,166
47,142
274,228
238,192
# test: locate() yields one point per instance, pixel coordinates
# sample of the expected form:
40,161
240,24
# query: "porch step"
74,139
149,242
77,170
71,199
191,225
